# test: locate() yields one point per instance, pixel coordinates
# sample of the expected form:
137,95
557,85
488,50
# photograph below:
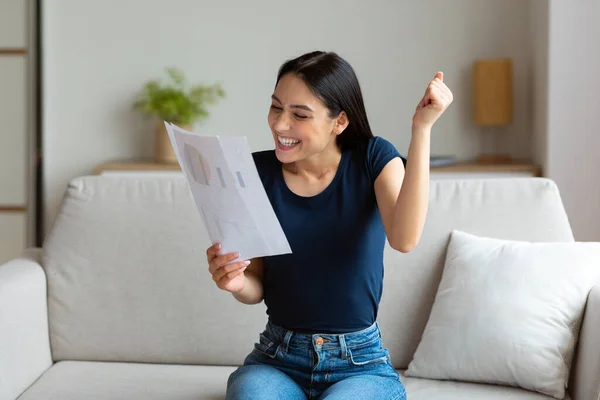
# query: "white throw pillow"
507,312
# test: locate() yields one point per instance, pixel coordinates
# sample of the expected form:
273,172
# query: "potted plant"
176,102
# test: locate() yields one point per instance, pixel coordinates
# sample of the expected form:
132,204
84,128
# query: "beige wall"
539,80
98,54
573,124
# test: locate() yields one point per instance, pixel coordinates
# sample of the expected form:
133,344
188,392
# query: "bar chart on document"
228,193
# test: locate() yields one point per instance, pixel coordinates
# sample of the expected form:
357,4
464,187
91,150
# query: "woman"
339,193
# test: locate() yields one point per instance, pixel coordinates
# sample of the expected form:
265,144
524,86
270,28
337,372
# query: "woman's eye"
300,116
275,108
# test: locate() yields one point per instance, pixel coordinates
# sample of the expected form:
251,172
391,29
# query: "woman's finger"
232,275
227,269
212,251
442,93
221,260
225,258
443,90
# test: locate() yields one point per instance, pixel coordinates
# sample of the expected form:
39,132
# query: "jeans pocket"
266,346
369,353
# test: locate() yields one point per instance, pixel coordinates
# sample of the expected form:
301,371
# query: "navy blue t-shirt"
333,279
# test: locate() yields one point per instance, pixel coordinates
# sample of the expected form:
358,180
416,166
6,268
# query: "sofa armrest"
24,341
585,376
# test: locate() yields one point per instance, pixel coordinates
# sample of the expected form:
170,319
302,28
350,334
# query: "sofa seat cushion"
427,389
75,380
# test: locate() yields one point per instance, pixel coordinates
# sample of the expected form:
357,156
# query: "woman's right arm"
252,293
242,278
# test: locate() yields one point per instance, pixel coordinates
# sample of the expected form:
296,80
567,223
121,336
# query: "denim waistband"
324,340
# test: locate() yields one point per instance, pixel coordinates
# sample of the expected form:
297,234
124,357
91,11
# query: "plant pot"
163,150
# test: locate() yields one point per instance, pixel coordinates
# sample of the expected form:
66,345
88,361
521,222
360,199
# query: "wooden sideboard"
135,166
475,170
458,170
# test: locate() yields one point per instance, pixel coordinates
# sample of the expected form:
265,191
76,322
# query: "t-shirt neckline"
324,192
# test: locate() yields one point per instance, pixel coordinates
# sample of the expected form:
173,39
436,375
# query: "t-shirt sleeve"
379,153
265,162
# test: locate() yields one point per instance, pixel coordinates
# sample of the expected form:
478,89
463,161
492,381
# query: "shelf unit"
17,102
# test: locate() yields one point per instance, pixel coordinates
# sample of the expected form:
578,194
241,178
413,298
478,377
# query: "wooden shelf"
470,167
12,52
10,208
136,165
476,167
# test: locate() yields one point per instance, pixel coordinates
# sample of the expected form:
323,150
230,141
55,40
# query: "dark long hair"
333,81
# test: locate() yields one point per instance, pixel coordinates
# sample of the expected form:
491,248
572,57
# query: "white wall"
98,54
573,134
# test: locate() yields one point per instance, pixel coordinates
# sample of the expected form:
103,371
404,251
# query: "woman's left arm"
403,195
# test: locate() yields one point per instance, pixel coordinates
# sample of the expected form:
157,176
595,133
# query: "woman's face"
300,122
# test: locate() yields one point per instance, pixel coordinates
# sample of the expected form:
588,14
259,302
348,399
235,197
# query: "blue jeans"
286,365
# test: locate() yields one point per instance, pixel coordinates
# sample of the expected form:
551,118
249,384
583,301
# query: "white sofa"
119,304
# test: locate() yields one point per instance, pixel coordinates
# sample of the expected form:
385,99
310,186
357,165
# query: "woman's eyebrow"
301,106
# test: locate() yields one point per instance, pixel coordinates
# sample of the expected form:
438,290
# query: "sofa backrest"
128,278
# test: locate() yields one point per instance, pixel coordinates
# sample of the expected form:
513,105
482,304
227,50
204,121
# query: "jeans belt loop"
344,348
286,341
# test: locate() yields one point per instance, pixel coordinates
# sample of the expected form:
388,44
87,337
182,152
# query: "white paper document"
229,194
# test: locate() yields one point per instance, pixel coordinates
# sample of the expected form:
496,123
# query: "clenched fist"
436,99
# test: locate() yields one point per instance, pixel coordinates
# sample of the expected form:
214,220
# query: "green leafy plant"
176,101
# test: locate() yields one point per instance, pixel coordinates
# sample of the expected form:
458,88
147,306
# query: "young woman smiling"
339,192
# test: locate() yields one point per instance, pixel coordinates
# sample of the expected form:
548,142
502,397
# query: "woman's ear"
340,123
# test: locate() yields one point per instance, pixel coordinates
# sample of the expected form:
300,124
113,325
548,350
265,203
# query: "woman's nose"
283,122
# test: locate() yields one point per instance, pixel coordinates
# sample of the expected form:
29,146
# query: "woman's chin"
286,154
284,157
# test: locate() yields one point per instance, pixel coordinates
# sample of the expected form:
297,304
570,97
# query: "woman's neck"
318,165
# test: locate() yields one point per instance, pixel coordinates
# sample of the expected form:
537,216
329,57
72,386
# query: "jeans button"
319,341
